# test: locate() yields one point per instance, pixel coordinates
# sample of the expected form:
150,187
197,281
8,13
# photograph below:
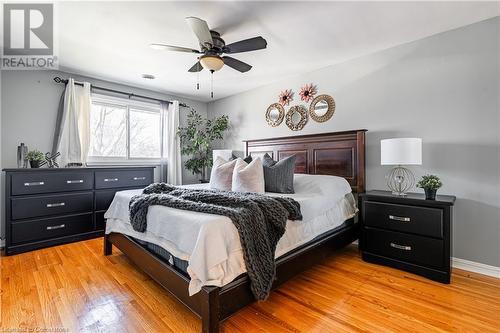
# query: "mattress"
182,265
210,243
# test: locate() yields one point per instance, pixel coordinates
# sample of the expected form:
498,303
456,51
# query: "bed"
215,286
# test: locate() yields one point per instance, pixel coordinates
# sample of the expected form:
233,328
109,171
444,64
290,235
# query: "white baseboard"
475,267
2,243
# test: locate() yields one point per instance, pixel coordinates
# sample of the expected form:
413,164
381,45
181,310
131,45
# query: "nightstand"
408,232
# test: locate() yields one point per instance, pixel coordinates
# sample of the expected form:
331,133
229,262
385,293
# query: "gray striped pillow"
278,175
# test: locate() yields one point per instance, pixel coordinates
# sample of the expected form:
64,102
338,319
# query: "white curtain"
171,159
72,135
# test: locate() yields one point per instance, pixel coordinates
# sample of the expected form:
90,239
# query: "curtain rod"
57,79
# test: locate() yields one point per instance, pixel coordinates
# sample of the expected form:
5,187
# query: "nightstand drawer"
418,220
46,205
122,178
51,228
410,248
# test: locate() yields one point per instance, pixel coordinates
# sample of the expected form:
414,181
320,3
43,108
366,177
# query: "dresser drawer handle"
110,179
139,178
77,181
56,204
34,184
399,218
52,227
401,247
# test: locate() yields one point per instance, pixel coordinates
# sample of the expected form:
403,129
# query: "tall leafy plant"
197,138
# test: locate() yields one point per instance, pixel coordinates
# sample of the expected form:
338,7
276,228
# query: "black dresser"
45,207
409,232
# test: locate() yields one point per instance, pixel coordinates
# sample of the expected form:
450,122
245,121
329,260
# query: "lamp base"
400,180
402,194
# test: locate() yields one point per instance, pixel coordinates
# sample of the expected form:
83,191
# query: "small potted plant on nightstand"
35,157
430,184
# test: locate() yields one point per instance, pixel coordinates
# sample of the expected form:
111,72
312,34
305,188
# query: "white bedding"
210,243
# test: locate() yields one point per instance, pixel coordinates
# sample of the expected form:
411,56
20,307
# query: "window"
145,134
123,130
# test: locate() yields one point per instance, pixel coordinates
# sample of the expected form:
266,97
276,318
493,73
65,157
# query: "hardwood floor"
74,287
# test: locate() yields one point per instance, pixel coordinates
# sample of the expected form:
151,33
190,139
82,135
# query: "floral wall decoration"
308,92
321,108
285,97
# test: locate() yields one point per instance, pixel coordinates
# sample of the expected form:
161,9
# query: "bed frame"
340,154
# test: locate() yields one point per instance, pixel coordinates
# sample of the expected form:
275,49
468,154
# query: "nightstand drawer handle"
399,218
401,247
77,181
139,178
56,204
110,179
34,184
56,227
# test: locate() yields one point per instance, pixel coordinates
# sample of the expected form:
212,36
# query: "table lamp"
398,152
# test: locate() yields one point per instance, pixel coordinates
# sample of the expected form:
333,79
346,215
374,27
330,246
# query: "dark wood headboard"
338,154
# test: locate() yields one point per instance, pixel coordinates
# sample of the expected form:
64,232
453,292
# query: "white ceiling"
109,40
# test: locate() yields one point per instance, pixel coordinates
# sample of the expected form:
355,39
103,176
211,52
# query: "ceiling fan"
212,48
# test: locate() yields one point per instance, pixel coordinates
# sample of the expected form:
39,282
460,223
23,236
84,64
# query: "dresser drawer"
103,199
100,221
51,228
418,220
51,181
410,248
29,207
122,178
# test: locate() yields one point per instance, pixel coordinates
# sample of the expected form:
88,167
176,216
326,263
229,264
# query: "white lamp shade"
225,154
401,151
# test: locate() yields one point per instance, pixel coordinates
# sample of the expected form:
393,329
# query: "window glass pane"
144,134
108,131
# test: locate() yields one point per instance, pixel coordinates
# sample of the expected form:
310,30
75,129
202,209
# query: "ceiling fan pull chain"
198,76
212,84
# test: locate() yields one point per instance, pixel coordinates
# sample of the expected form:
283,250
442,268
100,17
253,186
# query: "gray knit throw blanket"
260,220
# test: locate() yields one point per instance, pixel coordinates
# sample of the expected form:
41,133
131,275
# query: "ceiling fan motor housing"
218,44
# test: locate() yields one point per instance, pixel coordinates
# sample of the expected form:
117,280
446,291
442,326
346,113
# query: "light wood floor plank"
75,287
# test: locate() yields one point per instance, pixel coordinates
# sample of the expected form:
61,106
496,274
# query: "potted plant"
35,157
196,141
430,184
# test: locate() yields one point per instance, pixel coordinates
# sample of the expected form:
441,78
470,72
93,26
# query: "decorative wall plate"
322,108
296,117
275,114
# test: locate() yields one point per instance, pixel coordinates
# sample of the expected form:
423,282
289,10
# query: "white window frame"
128,104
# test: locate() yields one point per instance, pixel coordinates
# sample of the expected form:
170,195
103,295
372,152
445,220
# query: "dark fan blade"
236,64
251,44
196,68
201,30
166,47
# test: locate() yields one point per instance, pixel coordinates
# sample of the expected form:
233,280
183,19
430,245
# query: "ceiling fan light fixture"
211,62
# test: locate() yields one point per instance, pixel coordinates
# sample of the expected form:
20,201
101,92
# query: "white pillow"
333,187
222,174
248,177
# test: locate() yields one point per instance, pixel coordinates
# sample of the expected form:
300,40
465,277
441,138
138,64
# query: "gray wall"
443,89
29,101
